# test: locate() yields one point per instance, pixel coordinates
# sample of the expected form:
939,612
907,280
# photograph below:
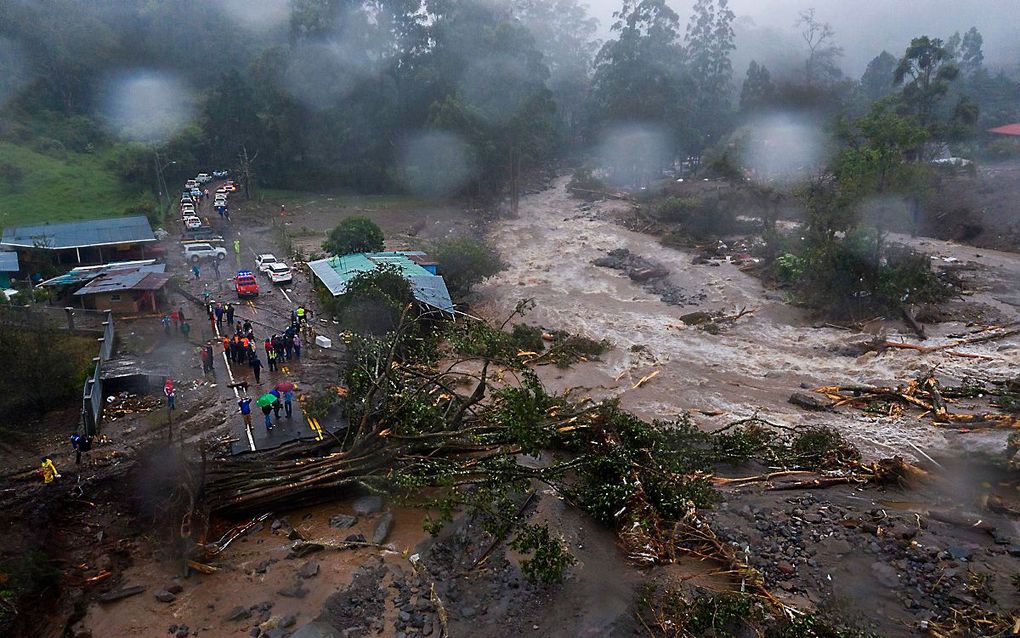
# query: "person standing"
195,270
218,311
205,360
276,404
244,403
176,319
297,347
216,268
288,399
48,470
210,355
288,344
180,314
272,359
268,345
166,323
237,248
170,394
185,329
256,367
229,310
267,410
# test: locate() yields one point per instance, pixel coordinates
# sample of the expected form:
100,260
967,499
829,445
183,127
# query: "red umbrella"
285,386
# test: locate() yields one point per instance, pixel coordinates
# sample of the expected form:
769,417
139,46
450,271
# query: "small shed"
126,290
428,287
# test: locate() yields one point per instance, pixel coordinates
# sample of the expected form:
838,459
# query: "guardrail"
92,393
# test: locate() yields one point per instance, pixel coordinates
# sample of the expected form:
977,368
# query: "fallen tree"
445,422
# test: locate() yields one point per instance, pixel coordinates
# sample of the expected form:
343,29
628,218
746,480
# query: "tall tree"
821,66
877,81
565,34
925,71
708,43
757,91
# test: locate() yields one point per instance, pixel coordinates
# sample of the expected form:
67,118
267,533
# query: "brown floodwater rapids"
755,364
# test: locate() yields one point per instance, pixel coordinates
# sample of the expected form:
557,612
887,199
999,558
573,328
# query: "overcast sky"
863,27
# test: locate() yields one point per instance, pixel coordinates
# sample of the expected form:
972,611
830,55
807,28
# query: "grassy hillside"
42,188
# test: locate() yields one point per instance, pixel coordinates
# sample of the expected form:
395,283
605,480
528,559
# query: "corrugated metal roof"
9,261
81,274
133,278
336,272
97,232
431,291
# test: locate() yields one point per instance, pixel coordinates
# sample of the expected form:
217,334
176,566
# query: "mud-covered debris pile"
653,277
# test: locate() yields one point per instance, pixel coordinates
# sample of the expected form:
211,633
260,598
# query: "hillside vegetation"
37,188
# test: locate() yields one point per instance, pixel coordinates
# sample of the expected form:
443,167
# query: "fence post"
70,317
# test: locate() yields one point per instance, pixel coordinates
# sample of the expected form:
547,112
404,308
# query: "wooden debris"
645,379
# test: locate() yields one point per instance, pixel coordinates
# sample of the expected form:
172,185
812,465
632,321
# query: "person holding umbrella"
287,388
266,402
276,403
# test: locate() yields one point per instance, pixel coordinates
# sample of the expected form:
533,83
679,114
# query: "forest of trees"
450,97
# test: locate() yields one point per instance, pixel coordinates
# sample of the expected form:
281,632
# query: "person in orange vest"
49,470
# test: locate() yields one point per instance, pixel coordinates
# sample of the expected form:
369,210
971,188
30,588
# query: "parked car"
220,174
197,252
263,261
190,185
279,273
245,284
192,222
202,178
196,193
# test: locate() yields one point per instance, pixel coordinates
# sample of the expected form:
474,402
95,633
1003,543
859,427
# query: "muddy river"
755,364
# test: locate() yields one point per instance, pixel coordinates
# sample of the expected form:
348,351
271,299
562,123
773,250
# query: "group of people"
283,347
218,311
284,394
176,319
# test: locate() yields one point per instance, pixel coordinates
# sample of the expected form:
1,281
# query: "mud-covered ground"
885,559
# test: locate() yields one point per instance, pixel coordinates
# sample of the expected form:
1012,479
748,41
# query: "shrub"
354,235
464,262
790,268
699,218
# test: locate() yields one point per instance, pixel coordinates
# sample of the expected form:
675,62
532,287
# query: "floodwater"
753,365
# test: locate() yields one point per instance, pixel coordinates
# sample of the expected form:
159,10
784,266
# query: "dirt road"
752,366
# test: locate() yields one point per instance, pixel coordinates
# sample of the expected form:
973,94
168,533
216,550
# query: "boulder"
382,528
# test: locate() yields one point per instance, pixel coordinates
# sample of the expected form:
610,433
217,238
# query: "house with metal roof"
429,288
126,290
97,241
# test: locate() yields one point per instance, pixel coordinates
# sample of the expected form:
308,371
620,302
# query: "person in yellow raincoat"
49,470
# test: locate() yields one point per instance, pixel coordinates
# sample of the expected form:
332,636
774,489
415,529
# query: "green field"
75,186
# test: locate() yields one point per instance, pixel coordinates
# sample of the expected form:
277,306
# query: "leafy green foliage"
464,262
354,235
374,301
549,558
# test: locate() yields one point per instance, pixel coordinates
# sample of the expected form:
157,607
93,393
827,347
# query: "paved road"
269,313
